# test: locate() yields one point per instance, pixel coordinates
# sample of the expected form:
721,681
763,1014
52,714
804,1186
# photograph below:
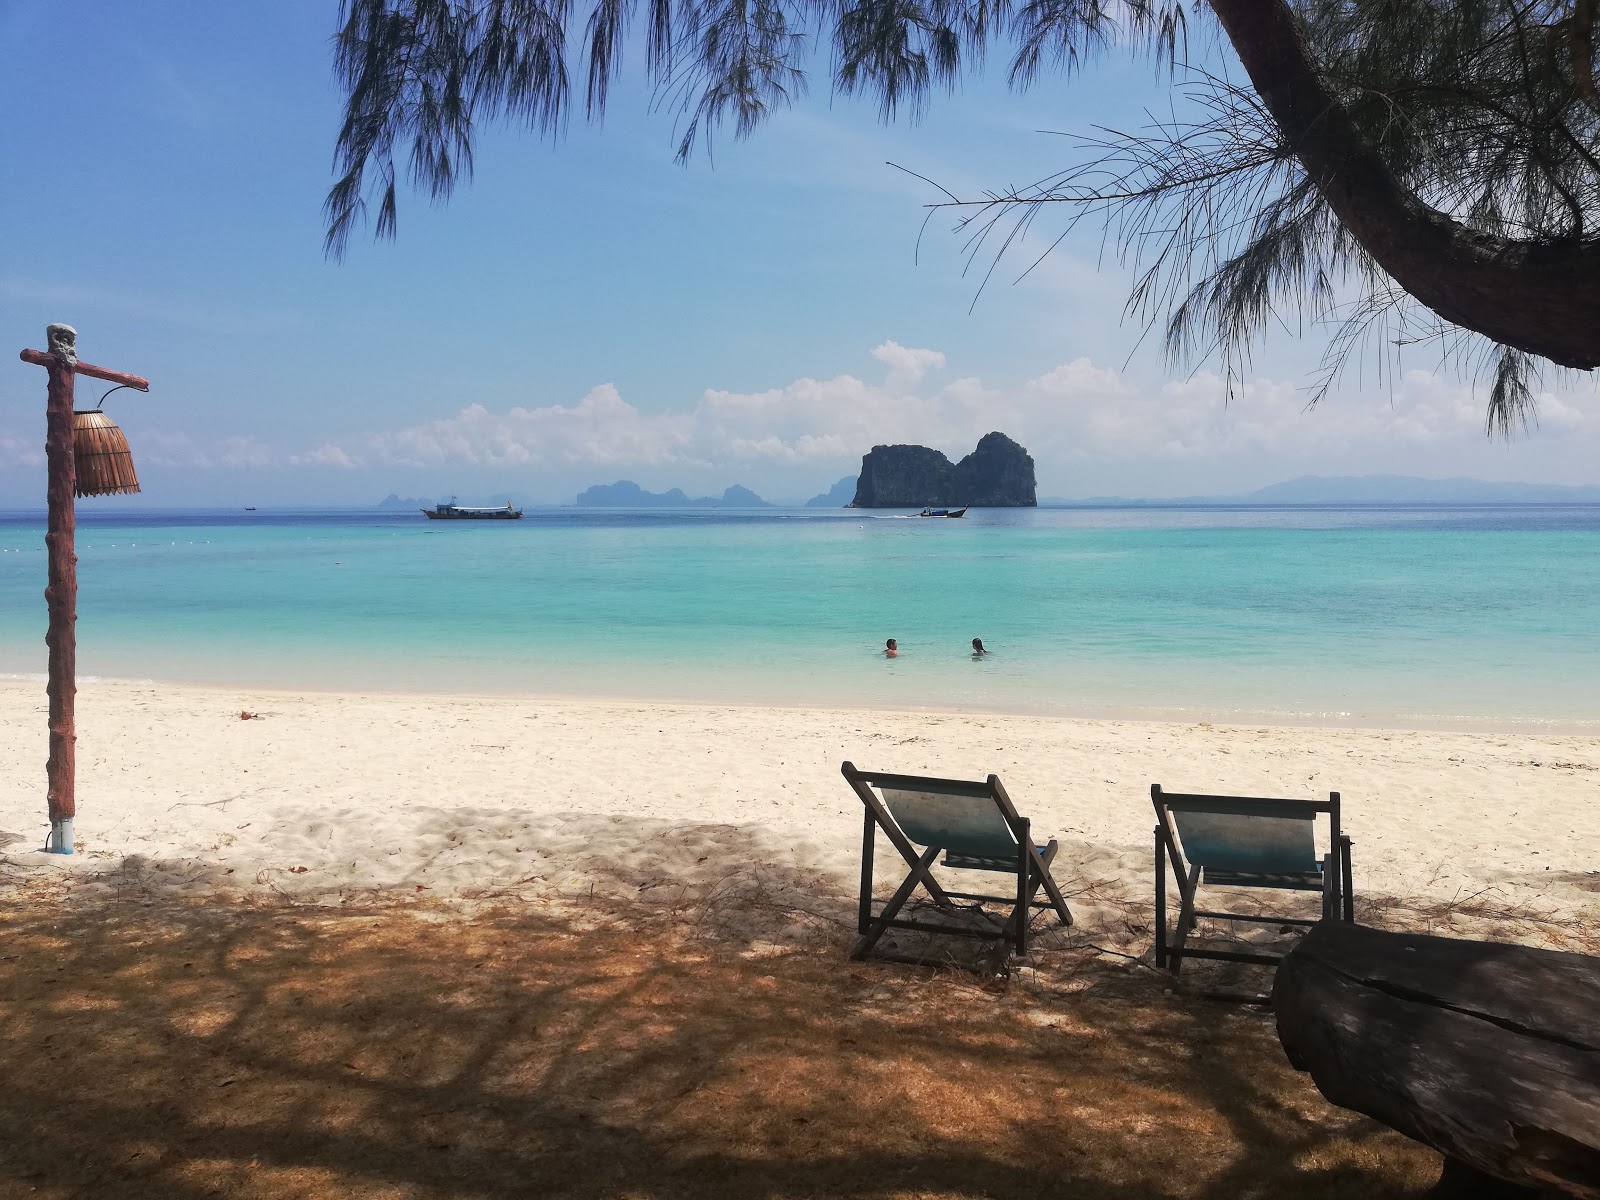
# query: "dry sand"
352,799
650,1000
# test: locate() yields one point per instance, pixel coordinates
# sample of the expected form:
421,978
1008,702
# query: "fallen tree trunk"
1488,1052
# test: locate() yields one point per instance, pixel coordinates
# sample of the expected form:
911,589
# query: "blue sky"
590,311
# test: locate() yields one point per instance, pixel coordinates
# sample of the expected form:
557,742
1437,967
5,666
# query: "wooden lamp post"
61,590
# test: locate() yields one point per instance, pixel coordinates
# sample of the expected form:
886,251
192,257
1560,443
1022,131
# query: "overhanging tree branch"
1438,156
1540,295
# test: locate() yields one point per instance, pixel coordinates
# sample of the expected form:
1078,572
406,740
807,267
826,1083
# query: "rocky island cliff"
998,474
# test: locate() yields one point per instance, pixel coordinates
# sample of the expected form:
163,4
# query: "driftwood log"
1489,1053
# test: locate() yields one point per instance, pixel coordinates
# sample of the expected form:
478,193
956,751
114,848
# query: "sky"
588,310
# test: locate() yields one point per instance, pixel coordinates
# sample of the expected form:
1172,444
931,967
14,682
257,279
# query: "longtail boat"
451,511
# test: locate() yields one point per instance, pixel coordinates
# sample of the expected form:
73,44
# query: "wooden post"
61,598
61,587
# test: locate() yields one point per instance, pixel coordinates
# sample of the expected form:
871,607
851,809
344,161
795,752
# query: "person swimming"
891,649
977,648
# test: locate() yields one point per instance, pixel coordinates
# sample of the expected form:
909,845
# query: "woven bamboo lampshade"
105,465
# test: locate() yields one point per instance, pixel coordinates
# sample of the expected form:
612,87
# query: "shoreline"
1230,717
360,798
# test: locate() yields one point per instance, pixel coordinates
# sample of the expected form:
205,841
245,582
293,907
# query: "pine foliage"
1485,110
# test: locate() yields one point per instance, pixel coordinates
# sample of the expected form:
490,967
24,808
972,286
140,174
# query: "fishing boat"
451,511
943,512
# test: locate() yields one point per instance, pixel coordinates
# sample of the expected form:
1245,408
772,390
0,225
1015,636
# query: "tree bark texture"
1539,296
61,591
1488,1052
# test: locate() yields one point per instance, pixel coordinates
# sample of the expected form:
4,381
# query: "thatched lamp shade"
105,466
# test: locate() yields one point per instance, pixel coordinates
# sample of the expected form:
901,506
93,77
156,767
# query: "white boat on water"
451,511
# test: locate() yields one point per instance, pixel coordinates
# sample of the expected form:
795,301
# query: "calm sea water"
1310,614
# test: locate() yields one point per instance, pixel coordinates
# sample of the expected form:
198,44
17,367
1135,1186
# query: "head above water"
891,644
977,646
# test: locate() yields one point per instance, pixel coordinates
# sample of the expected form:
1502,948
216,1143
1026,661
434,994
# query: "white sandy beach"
332,799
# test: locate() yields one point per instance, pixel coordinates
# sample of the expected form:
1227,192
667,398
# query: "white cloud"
601,429
1562,416
325,455
1074,418
162,448
236,453
907,364
1076,411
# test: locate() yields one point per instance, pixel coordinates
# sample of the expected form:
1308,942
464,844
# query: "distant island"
1371,489
1409,489
626,494
840,495
998,474
411,502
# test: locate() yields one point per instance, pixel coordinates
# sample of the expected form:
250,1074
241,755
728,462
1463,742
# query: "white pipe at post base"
60,837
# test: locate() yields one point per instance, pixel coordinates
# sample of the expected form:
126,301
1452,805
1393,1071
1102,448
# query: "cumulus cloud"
804,423
236,453
163,448
325,455
1077,410
601,429
907,364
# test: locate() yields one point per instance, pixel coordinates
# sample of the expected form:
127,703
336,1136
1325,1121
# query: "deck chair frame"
1338,900
1032,868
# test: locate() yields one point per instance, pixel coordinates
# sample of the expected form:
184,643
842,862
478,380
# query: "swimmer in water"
977,648
891,649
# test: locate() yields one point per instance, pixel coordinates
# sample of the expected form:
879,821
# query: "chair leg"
1161,901
1186,919
879,925
868,846
1048,882
1349,885
1024,890
1018,925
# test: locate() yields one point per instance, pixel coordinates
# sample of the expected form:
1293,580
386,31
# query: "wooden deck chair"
1241,841
976,828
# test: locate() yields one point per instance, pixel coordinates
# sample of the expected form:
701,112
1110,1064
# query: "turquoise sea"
1458,617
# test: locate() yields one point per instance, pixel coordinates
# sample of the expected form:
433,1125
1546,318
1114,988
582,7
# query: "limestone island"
998,474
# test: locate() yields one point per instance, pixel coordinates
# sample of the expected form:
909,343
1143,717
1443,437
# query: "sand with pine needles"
739,813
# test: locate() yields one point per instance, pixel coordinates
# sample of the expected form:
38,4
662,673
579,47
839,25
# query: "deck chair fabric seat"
1298,881
976,862
1243,841
975,826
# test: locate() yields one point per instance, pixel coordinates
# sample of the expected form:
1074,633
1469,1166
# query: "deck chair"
1240,841
976,828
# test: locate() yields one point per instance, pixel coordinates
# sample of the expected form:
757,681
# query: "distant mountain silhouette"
394,501
838,496
1410,489
626,494
741,497
1374,489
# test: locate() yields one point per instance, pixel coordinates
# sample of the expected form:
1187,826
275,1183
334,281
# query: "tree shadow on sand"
187,1050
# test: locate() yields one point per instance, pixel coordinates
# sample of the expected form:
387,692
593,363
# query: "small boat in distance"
451,511
943,512
250,508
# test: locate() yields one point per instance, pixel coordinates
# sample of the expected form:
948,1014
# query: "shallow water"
1371,615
